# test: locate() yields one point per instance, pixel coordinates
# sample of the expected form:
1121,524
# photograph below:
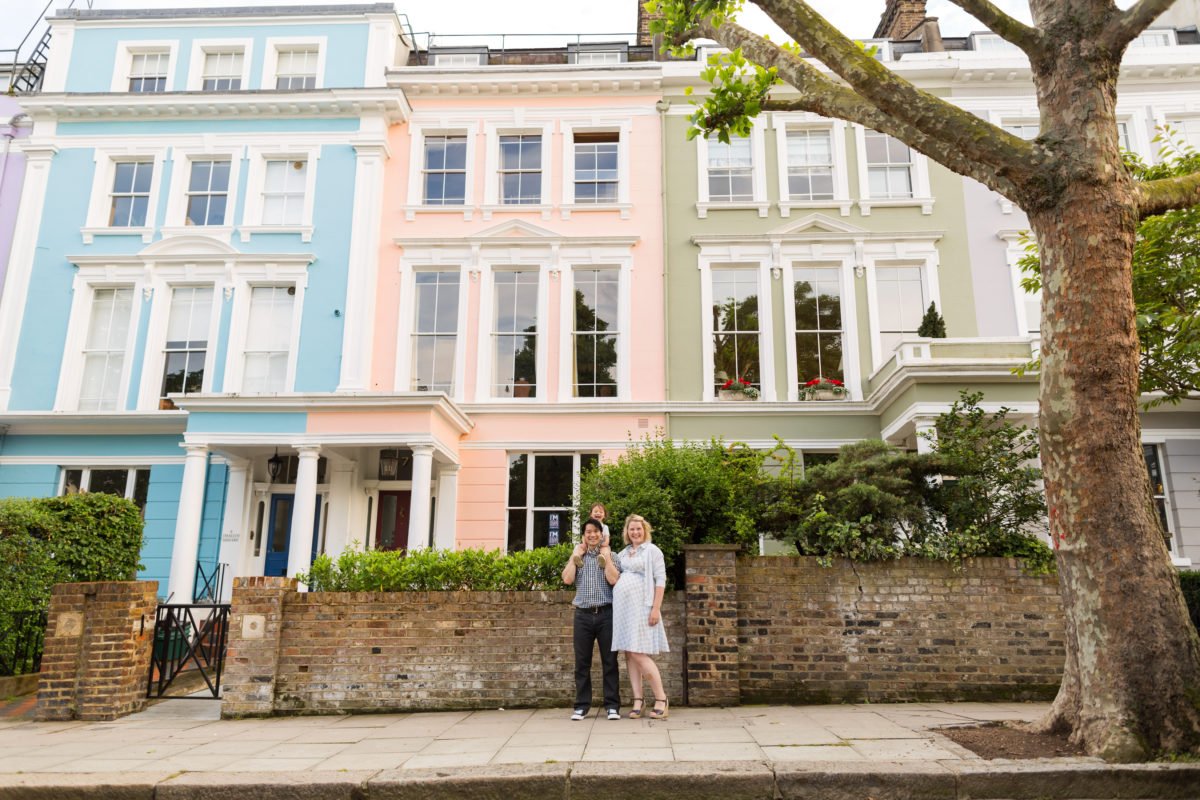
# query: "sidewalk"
752,751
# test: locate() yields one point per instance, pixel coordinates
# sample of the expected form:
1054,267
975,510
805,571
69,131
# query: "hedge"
439,570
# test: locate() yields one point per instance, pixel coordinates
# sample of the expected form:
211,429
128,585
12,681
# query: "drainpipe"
662,107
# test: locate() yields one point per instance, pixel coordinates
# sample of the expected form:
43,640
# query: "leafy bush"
438,570
690,493
44,541
81,537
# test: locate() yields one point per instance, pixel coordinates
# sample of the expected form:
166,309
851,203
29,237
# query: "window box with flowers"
823,389
738,389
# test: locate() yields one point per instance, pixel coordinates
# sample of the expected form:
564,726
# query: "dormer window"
993,43
1159,38
598,53
473,57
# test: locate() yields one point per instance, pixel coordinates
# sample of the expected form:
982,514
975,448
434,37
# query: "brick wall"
97,652
903,630
900,18
415,650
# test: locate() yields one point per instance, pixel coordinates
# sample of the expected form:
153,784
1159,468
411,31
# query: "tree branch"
1126,26
1168,194
1012,30
959,140
934,117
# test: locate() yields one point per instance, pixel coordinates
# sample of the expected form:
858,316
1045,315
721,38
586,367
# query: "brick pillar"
252,656
712,625
900,19
97,653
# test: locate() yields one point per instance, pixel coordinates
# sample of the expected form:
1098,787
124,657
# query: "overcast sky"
856,17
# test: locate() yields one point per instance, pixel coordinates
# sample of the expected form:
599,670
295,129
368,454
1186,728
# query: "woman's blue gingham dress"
631,627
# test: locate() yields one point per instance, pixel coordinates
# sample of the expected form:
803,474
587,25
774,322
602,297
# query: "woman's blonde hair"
636,518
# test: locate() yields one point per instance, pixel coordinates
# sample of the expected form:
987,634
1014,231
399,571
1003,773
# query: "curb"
729,780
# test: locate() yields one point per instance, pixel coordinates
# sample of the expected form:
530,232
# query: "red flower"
727,384
743,382
819,381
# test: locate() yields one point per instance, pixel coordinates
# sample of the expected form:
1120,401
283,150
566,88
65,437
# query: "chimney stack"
900,19
644,37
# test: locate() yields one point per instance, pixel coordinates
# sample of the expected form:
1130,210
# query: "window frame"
784,123
481,55
620,49
175,222
407,323
89,280
418,131
280,277
273,46
922,196
571,522
726,258
100,201
256,180
208,193
844,272
930,290
163,286
127,49
201,48
485,368
623,266
623,129
758,172
491,185
85,478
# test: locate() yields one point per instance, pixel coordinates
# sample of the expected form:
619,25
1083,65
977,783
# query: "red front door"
391,528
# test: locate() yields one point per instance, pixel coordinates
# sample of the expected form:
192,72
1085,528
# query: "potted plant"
823,389
738,389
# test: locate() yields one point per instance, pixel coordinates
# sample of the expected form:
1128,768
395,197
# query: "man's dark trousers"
592,627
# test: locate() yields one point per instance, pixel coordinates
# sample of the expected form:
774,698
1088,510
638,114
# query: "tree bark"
1132,682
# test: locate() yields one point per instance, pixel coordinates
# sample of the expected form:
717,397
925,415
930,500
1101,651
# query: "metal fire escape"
26,76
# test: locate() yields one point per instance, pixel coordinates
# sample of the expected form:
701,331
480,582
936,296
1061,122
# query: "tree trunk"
1132,681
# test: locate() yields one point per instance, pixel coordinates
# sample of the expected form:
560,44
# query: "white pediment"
818,224
516,229
199,247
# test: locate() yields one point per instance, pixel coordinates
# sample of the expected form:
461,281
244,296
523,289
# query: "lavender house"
12,172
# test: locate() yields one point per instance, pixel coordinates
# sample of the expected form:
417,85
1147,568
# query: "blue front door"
280,540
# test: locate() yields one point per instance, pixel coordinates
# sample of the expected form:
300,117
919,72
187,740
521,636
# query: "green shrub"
690,493
438,570
44,541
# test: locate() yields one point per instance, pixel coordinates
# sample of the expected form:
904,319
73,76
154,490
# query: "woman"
640,578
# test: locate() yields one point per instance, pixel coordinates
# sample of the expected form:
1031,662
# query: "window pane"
552,481
109,481
518,470
72,481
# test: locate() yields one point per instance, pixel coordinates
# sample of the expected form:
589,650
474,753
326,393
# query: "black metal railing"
188,639
208,586
22,635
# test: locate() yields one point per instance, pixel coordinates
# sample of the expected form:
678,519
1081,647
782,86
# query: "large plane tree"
1131,685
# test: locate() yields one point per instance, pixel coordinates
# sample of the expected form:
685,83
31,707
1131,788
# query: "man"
593,620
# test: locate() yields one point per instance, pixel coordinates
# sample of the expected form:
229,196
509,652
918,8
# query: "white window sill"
570,208
305,231
924,203
786,206
702,209
218,232
467,211
89,234
517,208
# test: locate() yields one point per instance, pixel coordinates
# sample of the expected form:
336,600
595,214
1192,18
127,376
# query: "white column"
925,428
418,509
447,507
359,328
20,262
234,527
341,494
186,546
303,511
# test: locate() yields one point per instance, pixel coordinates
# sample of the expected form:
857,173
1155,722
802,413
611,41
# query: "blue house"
200,215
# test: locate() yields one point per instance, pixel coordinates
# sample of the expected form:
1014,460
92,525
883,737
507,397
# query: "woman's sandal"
636,711
655,713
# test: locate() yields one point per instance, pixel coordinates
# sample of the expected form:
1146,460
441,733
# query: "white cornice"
556,79
365,401
30,423
113,107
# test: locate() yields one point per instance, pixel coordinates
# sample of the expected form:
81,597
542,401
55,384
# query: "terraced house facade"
294,286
